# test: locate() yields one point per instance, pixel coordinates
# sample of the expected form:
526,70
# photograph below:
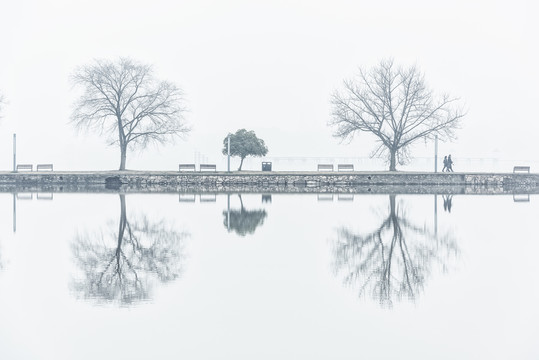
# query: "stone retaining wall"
255,178
134,181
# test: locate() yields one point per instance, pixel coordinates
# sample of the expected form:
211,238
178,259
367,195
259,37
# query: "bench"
325,167
45,196
25,196
345,197
345,167
521,197
44,167
324,197
186,167
187,197
24,167
521,168
208,197
208,167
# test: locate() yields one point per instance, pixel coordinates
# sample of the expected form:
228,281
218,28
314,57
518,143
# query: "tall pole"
228,213
436,154
436,215
14,212
228,168
14,152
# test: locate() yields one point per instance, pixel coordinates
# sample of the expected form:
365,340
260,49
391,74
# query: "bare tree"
125,102
394,260
121,265
395,105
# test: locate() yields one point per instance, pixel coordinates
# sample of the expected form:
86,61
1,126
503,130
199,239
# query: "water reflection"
521,197
243,221
448,199
395,260
122,264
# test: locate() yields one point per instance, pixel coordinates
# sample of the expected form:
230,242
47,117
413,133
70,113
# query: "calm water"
108,276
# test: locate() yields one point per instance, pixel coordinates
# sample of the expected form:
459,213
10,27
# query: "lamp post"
228,168
14,152
436,154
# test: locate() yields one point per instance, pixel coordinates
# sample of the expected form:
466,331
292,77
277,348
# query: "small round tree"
244,143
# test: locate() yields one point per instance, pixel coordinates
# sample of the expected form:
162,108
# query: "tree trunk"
121,140
123,155
393,160
121,230
241,202
241,163
392,208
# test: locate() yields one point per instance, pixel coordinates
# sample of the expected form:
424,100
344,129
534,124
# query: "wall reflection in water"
121,264
394,261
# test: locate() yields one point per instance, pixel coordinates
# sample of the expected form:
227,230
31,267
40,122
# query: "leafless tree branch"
126,103
395,105
393,261
121,266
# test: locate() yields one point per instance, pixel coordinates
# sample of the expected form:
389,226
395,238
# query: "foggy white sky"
267,66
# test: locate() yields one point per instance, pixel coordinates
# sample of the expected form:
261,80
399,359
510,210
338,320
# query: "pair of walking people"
448,164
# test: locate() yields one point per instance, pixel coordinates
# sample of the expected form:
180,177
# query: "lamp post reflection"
121,265
14,213
395,260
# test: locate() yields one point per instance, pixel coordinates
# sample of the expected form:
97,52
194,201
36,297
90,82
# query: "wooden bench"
25,196
208,197
45,196
208,167
325,167
521,168
44,167
24,167
345,167
521,197
324,197
187,197
187,167
345,197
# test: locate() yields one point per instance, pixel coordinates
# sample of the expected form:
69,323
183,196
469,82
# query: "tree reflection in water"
121,265
243,221
395,260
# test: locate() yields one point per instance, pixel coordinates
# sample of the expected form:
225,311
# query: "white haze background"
267,66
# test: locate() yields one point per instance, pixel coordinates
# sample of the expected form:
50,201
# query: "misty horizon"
269,67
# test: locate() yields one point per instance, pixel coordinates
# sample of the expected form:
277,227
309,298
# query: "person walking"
445,164
449,163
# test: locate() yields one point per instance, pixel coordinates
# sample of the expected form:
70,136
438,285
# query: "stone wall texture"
398,182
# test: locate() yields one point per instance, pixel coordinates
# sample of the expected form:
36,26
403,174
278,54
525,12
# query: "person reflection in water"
447,202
